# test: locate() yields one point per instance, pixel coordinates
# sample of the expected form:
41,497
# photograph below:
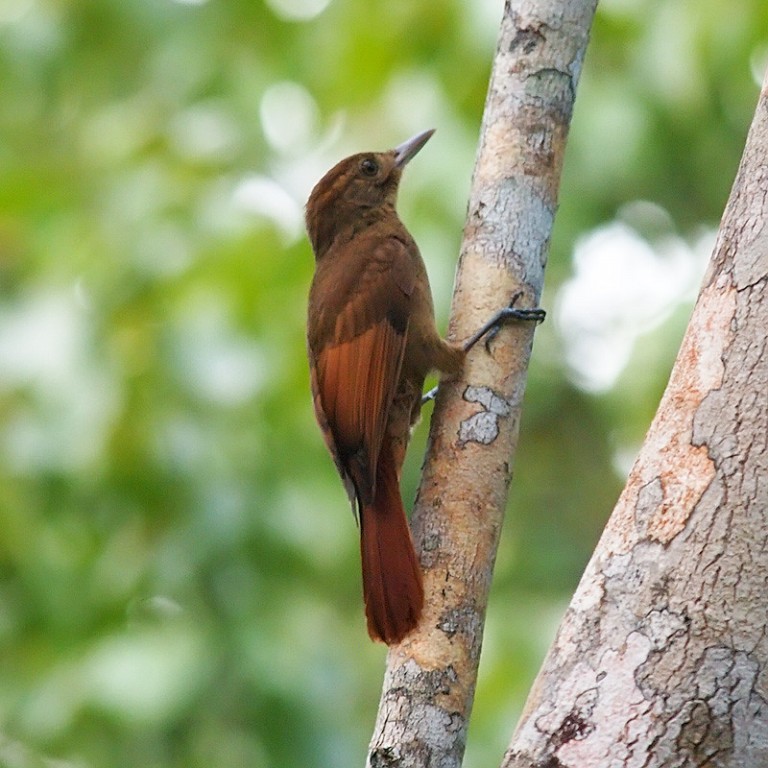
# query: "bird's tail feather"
392,583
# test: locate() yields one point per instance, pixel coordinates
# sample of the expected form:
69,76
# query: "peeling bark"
662,657
430,678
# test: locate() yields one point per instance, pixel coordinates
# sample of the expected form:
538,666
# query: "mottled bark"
430,678
662,657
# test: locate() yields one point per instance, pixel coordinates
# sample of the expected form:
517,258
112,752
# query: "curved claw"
491,328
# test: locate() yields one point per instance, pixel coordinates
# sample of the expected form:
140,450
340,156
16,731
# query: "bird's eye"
369,167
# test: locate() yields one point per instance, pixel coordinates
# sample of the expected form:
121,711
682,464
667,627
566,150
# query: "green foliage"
179,569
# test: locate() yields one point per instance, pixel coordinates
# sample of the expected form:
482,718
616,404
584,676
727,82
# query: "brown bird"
372,341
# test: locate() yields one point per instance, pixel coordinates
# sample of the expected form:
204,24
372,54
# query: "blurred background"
179,575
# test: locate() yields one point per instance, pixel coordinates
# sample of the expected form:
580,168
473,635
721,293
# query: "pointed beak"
408,149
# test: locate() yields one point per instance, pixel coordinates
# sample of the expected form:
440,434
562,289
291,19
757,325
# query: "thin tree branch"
662,657
430,679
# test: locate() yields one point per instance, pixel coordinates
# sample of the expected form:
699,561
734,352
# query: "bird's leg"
510,312
491,328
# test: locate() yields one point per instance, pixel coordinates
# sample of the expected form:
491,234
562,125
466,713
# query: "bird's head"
357,191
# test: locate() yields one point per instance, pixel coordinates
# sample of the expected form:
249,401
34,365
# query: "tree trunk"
662,657
430,678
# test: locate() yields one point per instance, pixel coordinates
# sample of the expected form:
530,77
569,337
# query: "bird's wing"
356,347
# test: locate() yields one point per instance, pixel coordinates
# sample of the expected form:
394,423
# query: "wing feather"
356,382
356,349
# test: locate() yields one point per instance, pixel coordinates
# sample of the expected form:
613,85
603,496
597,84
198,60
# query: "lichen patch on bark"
483,427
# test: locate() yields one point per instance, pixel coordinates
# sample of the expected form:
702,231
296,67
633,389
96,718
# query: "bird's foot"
431,395
490,330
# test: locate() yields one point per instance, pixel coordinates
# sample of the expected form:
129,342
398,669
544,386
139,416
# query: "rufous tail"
392,585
